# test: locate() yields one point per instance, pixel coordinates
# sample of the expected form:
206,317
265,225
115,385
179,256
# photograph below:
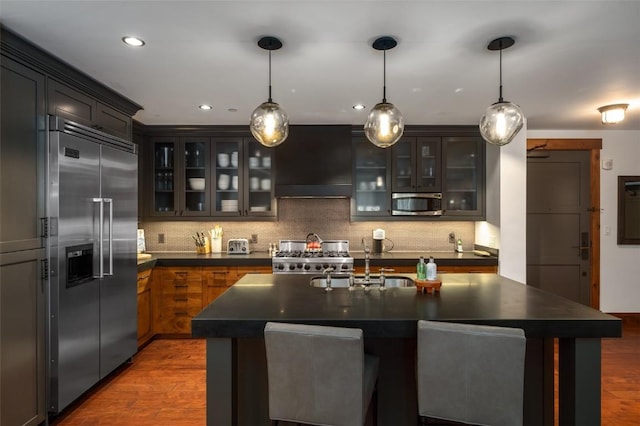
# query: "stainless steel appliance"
92,214
294,256
238,246
416,204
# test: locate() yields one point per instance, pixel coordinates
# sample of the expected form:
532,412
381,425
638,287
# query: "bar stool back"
318,374
470,373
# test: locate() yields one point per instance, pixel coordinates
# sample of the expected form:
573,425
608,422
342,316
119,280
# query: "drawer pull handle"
182,313
180,299
181,285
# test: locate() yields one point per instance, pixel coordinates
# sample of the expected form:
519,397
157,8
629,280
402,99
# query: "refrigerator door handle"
110,201
100,201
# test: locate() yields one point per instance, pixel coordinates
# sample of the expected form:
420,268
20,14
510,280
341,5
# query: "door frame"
594,146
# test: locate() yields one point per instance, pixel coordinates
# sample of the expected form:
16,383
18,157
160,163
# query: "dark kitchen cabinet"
371,177
244,178
208,176
463,177
22,253
74,105
179,175
416,165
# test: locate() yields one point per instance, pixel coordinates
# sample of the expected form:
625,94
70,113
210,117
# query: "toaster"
238,246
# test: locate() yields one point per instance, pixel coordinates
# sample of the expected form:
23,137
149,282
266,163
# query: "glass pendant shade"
269,124
384,125
501,122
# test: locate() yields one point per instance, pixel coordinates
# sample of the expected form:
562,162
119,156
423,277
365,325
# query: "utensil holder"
216,245
204,249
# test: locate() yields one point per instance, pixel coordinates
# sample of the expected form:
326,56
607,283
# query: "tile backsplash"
329,218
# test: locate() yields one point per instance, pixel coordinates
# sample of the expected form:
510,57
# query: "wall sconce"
612,114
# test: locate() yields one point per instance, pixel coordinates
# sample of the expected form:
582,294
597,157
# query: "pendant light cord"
384,76
500,98
270,100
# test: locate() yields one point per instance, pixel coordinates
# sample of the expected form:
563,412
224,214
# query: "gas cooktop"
293,256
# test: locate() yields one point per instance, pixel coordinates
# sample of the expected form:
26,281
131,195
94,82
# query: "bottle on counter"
421,269
459,246
432,270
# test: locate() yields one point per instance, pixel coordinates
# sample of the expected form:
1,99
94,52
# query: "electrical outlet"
160,238
452,237
254,238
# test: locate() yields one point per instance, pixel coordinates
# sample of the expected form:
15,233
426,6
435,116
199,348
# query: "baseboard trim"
630,319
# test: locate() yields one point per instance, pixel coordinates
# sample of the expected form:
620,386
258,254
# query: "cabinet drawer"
180,280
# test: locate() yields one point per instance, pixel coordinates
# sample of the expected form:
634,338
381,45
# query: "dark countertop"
395,258
243,309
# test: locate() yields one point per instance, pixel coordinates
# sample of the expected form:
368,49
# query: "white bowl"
197,184
223,160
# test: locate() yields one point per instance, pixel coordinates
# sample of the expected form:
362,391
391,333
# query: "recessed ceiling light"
133,41
232,109
205,107
359,107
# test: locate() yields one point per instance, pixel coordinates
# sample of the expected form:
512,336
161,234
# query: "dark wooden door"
558,240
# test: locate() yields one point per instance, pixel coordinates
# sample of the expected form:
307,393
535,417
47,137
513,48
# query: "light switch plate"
607,164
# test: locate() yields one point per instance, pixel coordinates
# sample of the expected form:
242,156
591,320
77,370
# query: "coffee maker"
378,239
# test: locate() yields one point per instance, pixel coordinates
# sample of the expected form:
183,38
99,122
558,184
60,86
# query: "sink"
342,281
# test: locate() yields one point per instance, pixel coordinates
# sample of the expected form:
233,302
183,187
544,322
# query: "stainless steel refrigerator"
92,298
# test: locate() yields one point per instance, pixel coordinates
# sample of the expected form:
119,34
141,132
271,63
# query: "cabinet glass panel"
370,179
403,166
462,174
227,177
164,177
260,178
195,177
428,164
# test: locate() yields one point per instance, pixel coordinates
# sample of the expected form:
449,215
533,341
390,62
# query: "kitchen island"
236,366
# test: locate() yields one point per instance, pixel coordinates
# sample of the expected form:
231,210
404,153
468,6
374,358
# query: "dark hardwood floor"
165,385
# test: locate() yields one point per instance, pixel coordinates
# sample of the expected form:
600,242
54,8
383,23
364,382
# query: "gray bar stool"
470,373
318,375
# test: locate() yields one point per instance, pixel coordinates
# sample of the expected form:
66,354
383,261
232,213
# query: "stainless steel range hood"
314,162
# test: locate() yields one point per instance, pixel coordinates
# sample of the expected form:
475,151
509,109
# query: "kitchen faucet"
327,272
367,271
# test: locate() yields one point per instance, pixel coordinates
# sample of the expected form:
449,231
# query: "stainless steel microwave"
416,204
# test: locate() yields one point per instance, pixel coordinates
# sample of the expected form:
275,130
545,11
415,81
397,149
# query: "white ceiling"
570,57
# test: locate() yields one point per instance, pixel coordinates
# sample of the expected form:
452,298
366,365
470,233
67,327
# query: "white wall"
506,224
619,265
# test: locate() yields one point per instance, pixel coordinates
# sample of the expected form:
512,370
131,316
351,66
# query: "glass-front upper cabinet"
164,200
196,183
463,192
370,179
416,165
227,175
243,178
180,176
259,180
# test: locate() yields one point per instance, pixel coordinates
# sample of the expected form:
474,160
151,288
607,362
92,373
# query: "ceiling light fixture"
269,123
502,120
612,114
205,107
359,107
385,124
133,41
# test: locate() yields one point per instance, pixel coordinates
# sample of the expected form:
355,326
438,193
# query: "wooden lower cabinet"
145,311
180,293
177,298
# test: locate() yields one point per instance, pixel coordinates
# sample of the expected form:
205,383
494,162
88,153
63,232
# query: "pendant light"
384,124
502,120
269,122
